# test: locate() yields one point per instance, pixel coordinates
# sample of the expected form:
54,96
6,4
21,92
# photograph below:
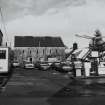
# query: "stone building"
34,48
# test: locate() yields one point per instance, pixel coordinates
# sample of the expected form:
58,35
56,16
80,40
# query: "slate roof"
30,41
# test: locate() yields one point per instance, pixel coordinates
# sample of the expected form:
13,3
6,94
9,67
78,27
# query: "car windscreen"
2,54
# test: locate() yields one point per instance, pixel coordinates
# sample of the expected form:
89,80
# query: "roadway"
35,87
32,87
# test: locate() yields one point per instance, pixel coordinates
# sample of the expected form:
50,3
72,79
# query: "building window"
37,52
56,51
43,51
50,51
2,54
30,52
23,51
30,59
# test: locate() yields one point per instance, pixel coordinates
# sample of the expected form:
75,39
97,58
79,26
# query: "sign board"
78,64
78,73
87,68
94,53
52,59
101,70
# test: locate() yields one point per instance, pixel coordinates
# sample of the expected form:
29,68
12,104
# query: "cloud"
60,17
18,8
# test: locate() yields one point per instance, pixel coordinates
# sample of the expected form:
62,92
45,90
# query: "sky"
63,18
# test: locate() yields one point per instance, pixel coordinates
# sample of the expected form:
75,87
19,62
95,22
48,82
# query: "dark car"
61,67
42,65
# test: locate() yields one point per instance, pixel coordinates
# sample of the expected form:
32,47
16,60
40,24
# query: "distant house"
35,48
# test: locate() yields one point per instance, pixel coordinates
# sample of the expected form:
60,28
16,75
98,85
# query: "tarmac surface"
35,87
32,87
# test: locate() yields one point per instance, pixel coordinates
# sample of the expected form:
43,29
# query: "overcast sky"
63,18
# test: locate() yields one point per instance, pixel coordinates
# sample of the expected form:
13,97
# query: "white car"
29,65
44,66
67,68
16,64
57,63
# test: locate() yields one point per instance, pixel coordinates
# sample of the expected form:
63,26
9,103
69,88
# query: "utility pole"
3,22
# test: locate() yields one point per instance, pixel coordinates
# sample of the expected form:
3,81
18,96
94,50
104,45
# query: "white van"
5,63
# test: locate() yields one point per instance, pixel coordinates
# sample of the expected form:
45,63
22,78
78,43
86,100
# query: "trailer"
5,65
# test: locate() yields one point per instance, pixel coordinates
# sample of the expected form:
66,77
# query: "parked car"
61,67
67,68
37,65
28,65
55,65
44,66
16,64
